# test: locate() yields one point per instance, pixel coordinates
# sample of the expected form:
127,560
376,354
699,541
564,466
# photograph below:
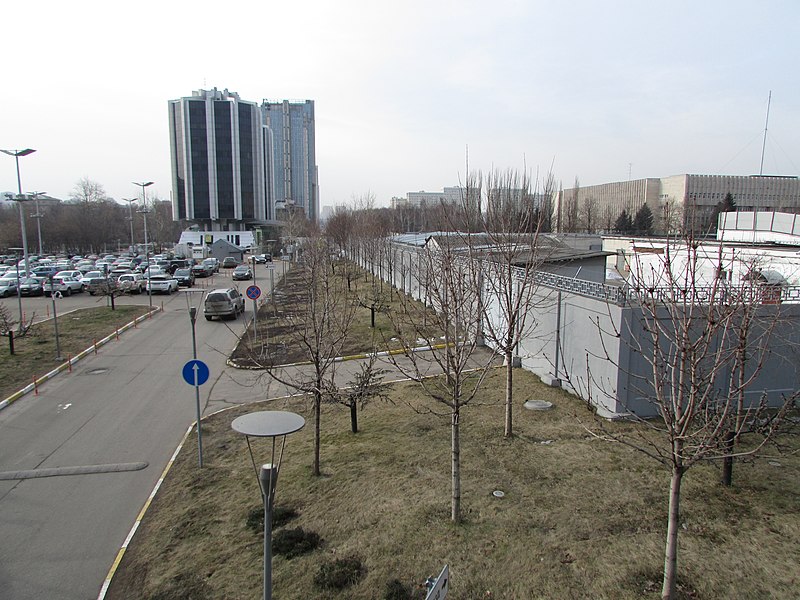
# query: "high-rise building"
235,163
290,158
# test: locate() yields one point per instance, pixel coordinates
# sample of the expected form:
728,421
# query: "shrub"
281,515
294,542
340,573
397,590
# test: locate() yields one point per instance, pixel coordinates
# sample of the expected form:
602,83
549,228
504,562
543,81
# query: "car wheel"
91,293
208,318
69,291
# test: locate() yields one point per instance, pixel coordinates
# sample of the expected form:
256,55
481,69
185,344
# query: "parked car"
213,263
64,284
223,303
229,262
44,271
115,274
132,283
162,284
8,286
70,273
31,286
201,270
184,277
242,273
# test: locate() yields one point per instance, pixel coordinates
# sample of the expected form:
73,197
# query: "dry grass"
34,354
581,518
289,299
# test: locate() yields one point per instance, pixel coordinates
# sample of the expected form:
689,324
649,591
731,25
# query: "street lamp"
16,252
268,424
16,154
144,212
38,216
130,202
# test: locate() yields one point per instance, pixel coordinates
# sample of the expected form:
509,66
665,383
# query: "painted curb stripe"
140,516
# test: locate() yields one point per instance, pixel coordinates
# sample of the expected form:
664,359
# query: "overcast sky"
599,90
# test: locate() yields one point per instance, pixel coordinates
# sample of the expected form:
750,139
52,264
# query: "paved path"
128,404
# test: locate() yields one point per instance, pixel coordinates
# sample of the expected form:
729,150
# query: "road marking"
65,406
59,471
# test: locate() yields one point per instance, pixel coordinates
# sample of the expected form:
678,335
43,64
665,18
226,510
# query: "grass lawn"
581,518
289,300
34,354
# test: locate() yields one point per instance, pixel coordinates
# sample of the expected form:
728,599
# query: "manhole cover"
538,405
97,371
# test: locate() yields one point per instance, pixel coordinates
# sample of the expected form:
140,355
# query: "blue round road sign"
195,372
253,292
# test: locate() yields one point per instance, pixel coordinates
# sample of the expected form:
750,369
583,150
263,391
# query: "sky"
411,95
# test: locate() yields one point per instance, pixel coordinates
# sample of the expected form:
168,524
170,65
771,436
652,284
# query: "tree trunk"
354,417
317,416
509,394
727,461
671,552
455,449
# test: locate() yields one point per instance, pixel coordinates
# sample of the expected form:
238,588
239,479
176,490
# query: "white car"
70,273
162,284
64,284
132,283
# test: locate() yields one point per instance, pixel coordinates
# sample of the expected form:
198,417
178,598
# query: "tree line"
89,222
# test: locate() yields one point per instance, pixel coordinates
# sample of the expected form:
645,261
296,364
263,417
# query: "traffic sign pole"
196,369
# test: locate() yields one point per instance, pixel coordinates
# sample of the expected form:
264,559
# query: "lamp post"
16,154
16,252
130,202
270,424
144,212
38,216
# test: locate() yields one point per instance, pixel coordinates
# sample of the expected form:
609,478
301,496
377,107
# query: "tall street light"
38,216
16,154
143,211
130,202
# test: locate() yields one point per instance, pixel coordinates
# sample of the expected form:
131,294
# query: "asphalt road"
126,405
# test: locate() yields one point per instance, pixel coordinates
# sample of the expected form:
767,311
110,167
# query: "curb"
235,365
140,516
68,364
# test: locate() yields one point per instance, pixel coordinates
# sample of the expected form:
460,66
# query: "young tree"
366,385
452,273
703,342
514,255
319,328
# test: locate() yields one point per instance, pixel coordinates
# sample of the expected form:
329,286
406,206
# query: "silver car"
223,304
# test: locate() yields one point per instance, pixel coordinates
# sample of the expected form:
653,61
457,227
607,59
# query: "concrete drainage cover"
538,405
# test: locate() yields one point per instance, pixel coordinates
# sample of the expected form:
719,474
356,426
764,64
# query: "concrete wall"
591,338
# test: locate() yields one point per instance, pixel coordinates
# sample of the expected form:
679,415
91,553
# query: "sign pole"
193,317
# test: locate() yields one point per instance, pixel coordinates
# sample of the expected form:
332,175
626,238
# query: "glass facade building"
237,164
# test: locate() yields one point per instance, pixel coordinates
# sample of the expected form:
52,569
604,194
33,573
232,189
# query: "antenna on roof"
764,145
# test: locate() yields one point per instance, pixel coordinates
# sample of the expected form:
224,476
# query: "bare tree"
514,255
319,329
572,209
452,275
366,385
704,341
589,214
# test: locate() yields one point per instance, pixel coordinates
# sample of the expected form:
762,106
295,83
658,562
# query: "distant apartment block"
449,195
679,202
237,164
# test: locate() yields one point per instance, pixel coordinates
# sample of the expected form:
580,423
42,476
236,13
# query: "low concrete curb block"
75,359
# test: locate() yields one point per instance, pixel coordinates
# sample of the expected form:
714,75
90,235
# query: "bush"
281,515
340,573
397,590
294,542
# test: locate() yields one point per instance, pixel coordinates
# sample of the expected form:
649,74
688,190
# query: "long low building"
678,203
